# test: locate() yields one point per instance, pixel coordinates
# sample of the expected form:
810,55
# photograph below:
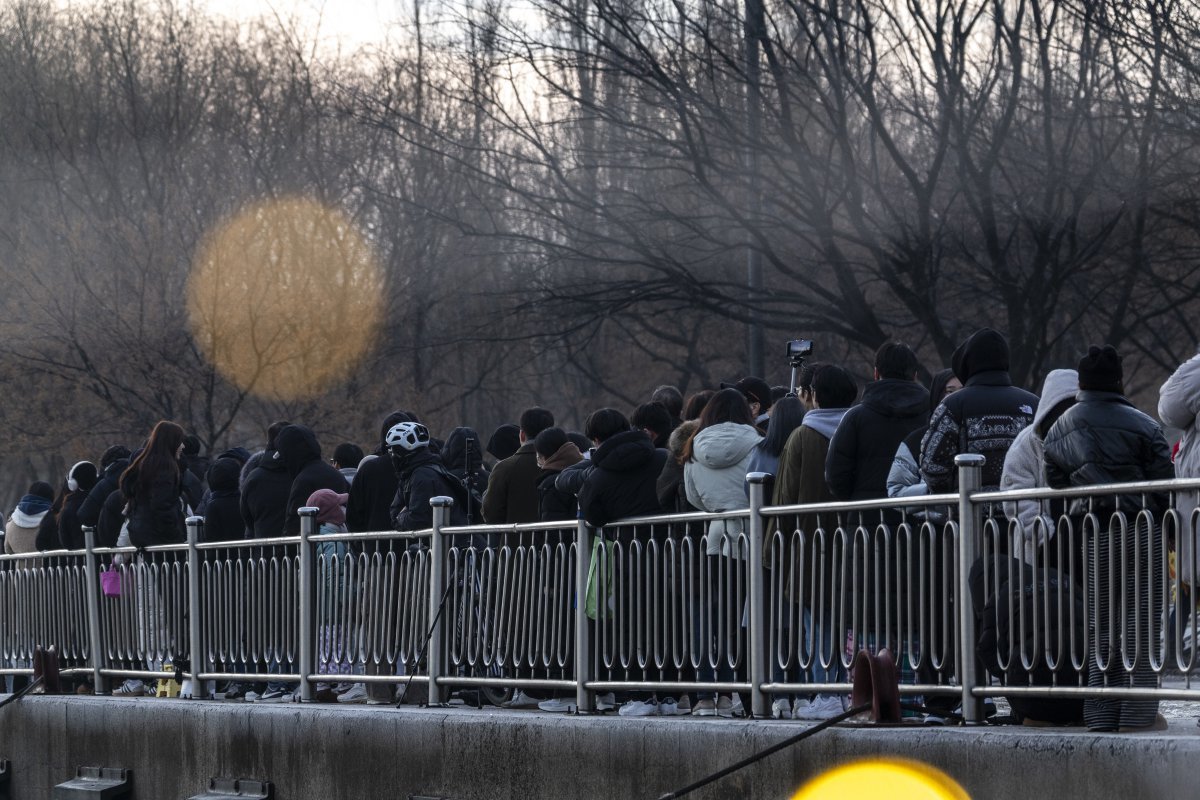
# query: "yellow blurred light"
896,779
285,298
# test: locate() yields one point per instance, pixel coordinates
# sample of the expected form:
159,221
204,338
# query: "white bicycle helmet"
407,435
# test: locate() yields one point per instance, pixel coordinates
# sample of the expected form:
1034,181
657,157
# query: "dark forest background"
567,201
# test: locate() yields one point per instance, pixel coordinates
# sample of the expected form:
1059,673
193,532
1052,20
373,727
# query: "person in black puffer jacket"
625,469
222,516
152,486
369,507
112,463
264,491
1104,439
982,417
80,481
297,447
864,445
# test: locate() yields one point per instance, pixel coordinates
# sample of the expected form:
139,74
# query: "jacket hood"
624,452
238,454
296,446
563,457
897,399
23,519
1060,384
985,351
454,454
113,471
417,458
724,445
223,475
680,436
824,420
388,421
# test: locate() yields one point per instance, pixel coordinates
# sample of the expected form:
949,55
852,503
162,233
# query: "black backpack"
466,496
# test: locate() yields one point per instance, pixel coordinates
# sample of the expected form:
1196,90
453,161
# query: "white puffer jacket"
1178,407
1025,468
713,479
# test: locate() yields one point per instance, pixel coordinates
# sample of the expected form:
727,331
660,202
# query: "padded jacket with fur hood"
715,476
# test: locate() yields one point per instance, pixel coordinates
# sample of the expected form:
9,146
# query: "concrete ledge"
320,752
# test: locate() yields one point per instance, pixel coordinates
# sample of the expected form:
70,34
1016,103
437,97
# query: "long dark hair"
727,405
158,457
786,416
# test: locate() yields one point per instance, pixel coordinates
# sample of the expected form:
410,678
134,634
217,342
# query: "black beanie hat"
1100,370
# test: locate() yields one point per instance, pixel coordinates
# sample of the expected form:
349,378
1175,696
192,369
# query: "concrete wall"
328,752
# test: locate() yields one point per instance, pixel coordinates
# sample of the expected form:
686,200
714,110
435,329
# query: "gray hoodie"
1025,468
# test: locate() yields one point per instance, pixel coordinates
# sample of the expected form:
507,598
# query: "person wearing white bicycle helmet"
422,477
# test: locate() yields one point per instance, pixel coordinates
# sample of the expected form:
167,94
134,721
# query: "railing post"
308,601
91,574
584,700
757,656
195,645
970,471
437,592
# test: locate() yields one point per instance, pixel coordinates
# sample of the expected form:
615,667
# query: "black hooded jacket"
982,417
89,509
422,478
297,447
863,447
156,510
222,516
455,456
108,526
369,508
263,503
623,481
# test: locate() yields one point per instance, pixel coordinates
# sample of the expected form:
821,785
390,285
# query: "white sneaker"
557,705
781,709
825,706
357,694
736,706
250,697
640,708
670,707
684,706
724,707
606,701
800,707
521,700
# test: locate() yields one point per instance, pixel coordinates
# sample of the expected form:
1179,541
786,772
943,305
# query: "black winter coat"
300,452
554,504
70,531
89,510
1104,439
865,443
155,512
983,417
222,516
108,526
422,478
373,490
623,480
264,499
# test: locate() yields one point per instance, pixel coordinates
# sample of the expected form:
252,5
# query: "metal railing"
1027,594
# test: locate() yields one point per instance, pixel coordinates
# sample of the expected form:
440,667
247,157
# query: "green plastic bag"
600,549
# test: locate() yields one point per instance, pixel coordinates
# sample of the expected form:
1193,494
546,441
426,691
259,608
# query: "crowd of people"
822,442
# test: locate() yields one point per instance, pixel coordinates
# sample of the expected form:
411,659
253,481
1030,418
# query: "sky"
350,23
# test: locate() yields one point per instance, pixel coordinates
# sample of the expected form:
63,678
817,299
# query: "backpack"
466,497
